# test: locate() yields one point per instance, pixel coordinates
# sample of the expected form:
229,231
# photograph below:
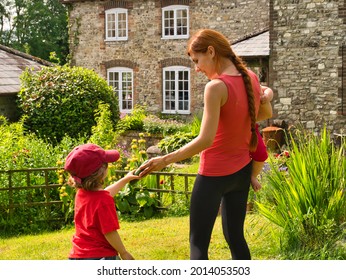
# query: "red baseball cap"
85,159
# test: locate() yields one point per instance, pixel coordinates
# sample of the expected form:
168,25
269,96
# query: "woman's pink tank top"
230,150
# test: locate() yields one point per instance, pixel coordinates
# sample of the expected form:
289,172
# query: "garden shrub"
134,199
61,100
183,135
307,198
155,125
103,133
176,141
132,121
20,150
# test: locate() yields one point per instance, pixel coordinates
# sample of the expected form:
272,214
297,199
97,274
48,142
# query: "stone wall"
307,38
145,51
307,70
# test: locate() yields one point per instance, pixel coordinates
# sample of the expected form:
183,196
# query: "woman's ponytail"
240,65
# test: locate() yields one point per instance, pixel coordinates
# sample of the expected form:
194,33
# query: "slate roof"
253,46
12,64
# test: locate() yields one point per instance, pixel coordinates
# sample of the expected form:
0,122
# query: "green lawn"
154,239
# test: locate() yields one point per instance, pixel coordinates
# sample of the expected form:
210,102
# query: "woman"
227,135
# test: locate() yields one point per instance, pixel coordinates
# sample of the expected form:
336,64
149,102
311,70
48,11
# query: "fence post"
46,194
158,187
29,196
172,188
186,184
10,194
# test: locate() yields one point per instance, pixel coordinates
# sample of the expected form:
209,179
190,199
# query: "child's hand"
131,176
264,98
266,95
126,256
117,186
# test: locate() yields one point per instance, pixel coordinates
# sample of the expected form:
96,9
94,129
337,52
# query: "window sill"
116,40
176,113
185,37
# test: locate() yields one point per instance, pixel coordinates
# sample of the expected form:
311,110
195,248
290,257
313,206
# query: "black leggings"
208,192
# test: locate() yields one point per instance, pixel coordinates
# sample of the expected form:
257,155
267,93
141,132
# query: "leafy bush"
103,133
307,200
176,141
132,121
182,135
61,100
154,125
20,150
134,199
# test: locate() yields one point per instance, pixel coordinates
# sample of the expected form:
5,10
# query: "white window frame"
175,9
116,24
174,92
123,96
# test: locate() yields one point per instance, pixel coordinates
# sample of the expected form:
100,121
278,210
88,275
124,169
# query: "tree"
63,100
36,27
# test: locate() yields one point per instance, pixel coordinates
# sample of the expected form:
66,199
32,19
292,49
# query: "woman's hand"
154,164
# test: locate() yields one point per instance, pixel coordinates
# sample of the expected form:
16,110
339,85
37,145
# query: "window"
116,24
176,90
175,22
121,79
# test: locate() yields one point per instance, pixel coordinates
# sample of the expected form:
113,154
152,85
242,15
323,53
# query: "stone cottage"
139,48
12,64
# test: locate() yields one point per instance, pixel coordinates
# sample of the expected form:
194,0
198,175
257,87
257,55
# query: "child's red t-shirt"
95,215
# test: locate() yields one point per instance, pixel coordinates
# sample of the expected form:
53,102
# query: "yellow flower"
141,134
153,195
134,147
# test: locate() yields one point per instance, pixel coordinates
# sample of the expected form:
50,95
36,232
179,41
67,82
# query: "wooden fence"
44,181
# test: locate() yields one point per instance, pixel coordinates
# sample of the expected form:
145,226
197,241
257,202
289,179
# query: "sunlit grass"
154,239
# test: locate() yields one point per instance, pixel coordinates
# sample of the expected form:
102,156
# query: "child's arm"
114,239
118,185
265,112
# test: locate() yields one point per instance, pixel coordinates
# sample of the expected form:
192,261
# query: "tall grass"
308,199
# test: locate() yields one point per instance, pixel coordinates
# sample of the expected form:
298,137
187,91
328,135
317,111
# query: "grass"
154,239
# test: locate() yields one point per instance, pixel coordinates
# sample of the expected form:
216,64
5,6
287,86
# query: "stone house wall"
145,51
307,67
307,39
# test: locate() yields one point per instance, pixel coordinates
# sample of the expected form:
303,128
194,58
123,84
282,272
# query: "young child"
260,155
95,217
